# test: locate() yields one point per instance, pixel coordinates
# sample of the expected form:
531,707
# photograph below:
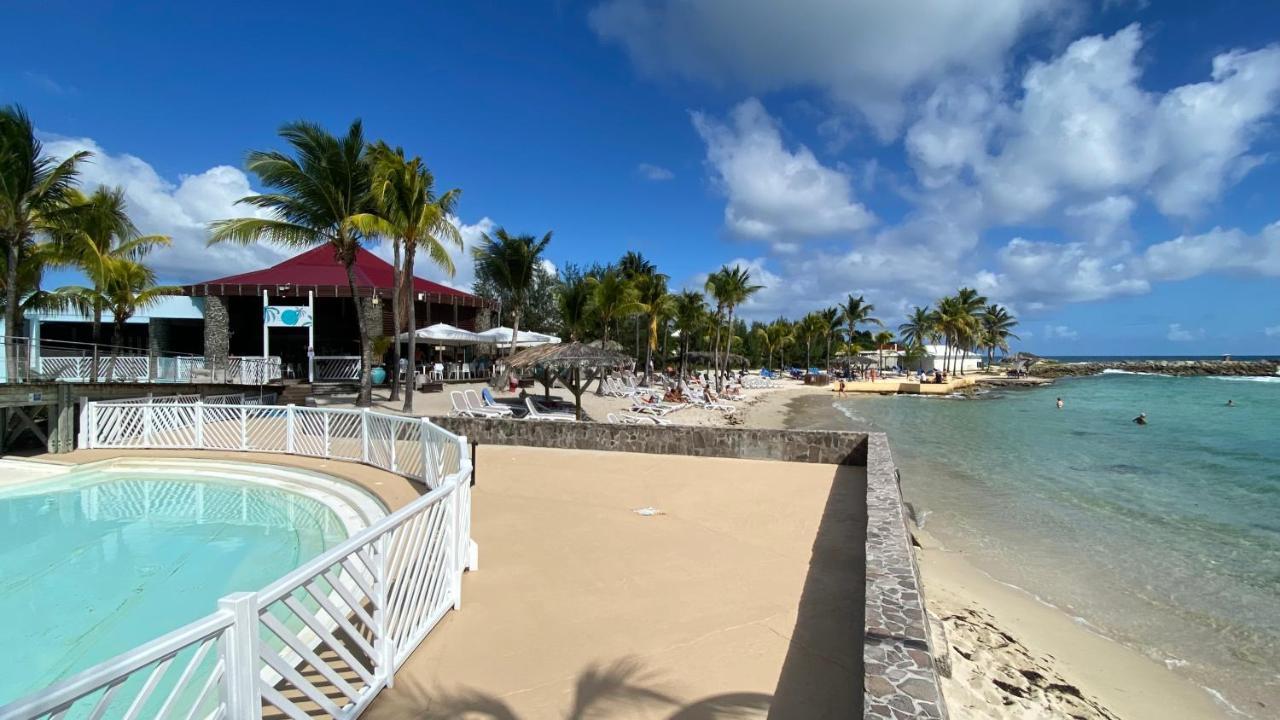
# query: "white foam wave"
1248,378
1118,371
1224,702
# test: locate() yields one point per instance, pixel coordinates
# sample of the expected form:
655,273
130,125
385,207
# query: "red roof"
318,268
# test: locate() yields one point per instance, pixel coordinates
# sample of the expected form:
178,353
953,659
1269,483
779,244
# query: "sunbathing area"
650,583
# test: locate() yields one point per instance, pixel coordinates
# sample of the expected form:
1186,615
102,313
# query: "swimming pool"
99,559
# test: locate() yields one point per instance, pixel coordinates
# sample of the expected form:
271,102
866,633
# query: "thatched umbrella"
731,359
573,364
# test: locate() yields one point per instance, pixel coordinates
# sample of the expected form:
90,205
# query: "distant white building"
935,357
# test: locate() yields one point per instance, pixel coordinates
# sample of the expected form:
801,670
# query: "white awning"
501,336
442,334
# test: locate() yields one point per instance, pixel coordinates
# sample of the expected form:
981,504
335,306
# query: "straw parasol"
730,359
572,363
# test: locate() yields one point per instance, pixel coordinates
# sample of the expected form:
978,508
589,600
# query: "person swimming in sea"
1231,403
1141,419
1059,403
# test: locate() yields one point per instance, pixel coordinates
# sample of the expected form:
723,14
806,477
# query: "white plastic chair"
474,402
536,414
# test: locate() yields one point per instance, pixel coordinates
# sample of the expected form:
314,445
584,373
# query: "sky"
1109,171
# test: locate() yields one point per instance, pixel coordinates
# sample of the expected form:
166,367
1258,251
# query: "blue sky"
1107,170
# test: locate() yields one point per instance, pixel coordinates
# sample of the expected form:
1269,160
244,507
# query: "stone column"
484,319
217,331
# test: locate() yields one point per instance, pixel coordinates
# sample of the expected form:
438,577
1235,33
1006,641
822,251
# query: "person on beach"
840,388
1141,419
1059,403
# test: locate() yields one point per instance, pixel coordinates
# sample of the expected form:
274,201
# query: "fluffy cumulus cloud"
865,55
1178,333
1059,332
773,191
181,210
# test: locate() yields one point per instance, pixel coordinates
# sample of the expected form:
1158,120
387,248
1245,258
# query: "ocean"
1165,537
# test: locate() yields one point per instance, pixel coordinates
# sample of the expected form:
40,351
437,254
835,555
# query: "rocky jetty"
1159,367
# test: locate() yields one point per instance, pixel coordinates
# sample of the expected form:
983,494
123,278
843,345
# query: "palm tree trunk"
11,314
97,341
396,291
728,347
648,349
365,397
715,345
411,375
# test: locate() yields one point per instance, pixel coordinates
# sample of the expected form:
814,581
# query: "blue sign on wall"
286,316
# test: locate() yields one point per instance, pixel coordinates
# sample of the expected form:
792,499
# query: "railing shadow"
822,675
617,689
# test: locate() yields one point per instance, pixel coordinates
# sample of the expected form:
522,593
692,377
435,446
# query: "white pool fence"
324,639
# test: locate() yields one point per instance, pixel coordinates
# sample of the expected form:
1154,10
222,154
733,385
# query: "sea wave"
1117,371
1248,378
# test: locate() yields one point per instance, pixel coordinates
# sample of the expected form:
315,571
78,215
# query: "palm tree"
405,193
93,231
969,307
831,318
920,326
574,299
781,334
123,287
997,328
717,286
612,297
655,303
857,311
633,266
690,311
882,338
33,191
810,328
322,195
511,261
735,288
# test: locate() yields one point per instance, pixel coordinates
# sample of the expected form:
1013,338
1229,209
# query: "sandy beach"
1003,653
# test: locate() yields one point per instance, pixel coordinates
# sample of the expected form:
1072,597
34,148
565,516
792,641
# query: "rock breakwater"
1233,368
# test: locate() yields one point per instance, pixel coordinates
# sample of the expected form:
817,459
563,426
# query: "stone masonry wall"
217,333
812,446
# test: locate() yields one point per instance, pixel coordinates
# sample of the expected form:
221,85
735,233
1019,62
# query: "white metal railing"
240,398
329,635
335,368
143,368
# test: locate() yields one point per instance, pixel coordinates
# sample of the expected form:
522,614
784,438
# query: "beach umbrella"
574,364
501,336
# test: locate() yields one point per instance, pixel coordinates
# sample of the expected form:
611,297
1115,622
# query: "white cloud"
1218,250
181,210
865,56
1273,331
1060,332
1177,333
657,173
773,191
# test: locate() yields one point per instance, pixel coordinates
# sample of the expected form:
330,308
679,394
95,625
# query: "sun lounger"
460,408
536,414
474,402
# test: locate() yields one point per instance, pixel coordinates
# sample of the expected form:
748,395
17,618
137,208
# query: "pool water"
94,563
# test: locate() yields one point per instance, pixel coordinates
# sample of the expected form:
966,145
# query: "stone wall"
812,446
217,331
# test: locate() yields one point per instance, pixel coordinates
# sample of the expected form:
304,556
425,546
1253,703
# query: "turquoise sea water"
1165,537
93,564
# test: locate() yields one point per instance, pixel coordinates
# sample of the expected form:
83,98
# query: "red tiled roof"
317,267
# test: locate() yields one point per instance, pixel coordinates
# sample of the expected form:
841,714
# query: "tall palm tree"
997,328
574,300
655,303
882,338
810,328
834,323
633,266
91,232
404,190
857,311
781,334
123,287
717,287
735,288
511,261
920,326
33,191
321,195
690,311
613,297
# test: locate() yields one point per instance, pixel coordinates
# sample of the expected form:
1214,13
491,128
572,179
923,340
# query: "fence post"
244,426
85,434
147,419
429,469
382,617
289,426
240,657
455,564
200,423
364,436
328,435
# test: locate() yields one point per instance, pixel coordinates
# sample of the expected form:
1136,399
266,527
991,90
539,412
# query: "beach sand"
1005,654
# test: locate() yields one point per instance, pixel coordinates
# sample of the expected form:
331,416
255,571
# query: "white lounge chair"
460,408
474,402
536,414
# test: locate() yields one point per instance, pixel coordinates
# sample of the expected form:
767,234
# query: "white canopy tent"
501,336
443,334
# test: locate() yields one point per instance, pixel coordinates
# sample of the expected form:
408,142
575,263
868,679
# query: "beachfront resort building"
934,357
297,315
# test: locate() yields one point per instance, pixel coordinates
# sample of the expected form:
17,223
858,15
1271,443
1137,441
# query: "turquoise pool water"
1164,537
94,563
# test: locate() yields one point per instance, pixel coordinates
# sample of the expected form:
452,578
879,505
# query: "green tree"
920,326
574,300
322,195
613,297
833,323
882,338
732,288
857,311
417,219
690,312
655,304
512,263
123,287
633,266
997,328
34,190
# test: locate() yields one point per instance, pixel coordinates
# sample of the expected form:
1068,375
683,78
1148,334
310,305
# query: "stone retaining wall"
811,446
